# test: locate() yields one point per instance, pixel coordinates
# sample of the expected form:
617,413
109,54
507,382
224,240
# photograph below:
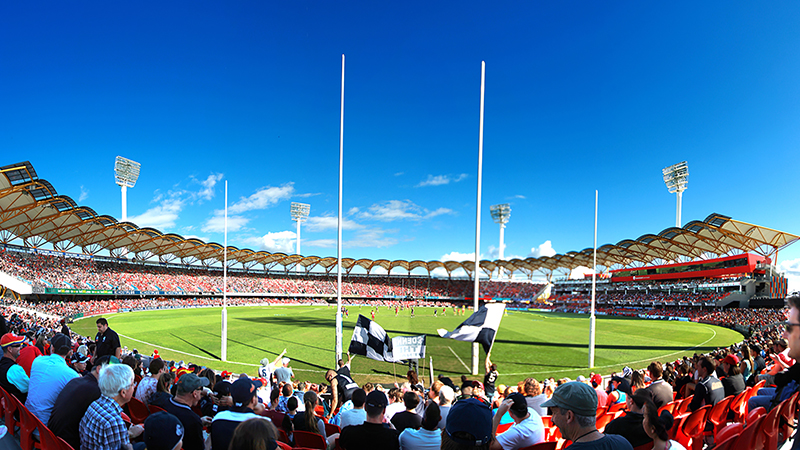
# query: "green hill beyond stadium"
527,344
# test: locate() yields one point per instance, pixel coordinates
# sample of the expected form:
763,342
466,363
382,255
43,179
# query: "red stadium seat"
309,440
733,429
727,444
719,413
138,410
769,428
751,437
691,430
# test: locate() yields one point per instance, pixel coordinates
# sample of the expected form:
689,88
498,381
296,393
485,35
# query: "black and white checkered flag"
370,340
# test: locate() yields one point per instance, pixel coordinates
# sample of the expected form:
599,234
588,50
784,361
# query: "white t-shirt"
526,433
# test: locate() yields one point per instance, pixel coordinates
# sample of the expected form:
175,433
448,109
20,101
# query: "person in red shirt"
27,354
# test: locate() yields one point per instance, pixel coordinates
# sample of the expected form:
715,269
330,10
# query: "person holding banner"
490,377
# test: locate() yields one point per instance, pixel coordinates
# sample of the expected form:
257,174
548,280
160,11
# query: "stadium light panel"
676,177
126,171
500,213
300,211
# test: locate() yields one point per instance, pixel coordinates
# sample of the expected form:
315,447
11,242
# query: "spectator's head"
531,387
574,408
656,370
446,395
79,362
330,375
99,362
731,365
519,406
190,388
636,401
292,404
368,387
375,404
285,362
467,388
287,390
102,324
620,384
243,392
164,383
340,363
359,397
412,376
163,431
60,344
597,380
411,400
116,381
655,425
706,366
254,434
432,416
11,344
469,426
156,366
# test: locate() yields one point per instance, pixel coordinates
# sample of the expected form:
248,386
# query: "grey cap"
575,396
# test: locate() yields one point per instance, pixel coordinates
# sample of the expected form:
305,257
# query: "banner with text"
408,347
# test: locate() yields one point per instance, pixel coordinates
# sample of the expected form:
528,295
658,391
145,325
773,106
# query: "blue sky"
579,96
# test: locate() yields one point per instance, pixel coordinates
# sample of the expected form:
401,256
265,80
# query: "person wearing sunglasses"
12,376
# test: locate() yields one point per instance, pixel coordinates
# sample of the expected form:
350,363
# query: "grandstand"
69,252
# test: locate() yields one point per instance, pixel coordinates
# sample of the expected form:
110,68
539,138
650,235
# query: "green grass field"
527,344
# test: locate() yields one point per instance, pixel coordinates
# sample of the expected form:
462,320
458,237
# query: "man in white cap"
284,373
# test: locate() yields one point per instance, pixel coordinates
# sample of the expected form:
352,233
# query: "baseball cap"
627,372
520,405
623,385
59,341
189,382
242,390
447,393
469,422
731,359
79,357
10,339
597,379
286,361
376,402
575,396
265,362
162,431
225,374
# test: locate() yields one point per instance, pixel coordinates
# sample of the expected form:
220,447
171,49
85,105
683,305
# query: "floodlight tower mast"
676,177
126,172
500,214
300,213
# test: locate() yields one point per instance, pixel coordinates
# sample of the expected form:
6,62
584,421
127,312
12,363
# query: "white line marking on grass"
459,359
629,363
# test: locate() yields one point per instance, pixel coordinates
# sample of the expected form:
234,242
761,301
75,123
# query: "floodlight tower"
676,177
500,214
126,172
300,213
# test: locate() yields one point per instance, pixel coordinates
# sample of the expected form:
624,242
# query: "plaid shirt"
102,427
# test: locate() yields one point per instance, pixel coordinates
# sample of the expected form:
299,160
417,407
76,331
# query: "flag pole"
594,289
476,289
339,233
224,334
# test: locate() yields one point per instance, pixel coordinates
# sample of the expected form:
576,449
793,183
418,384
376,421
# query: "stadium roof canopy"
32,210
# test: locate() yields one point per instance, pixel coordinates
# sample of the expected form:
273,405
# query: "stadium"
707,284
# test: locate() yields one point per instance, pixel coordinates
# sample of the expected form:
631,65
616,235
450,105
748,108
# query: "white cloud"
519,196
208,184
216,224
578,272
262,198
438,180
791,269
398,174
352,211
84,194
162,216
277,242
457,256
400,210
321,223
545,249
321,243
